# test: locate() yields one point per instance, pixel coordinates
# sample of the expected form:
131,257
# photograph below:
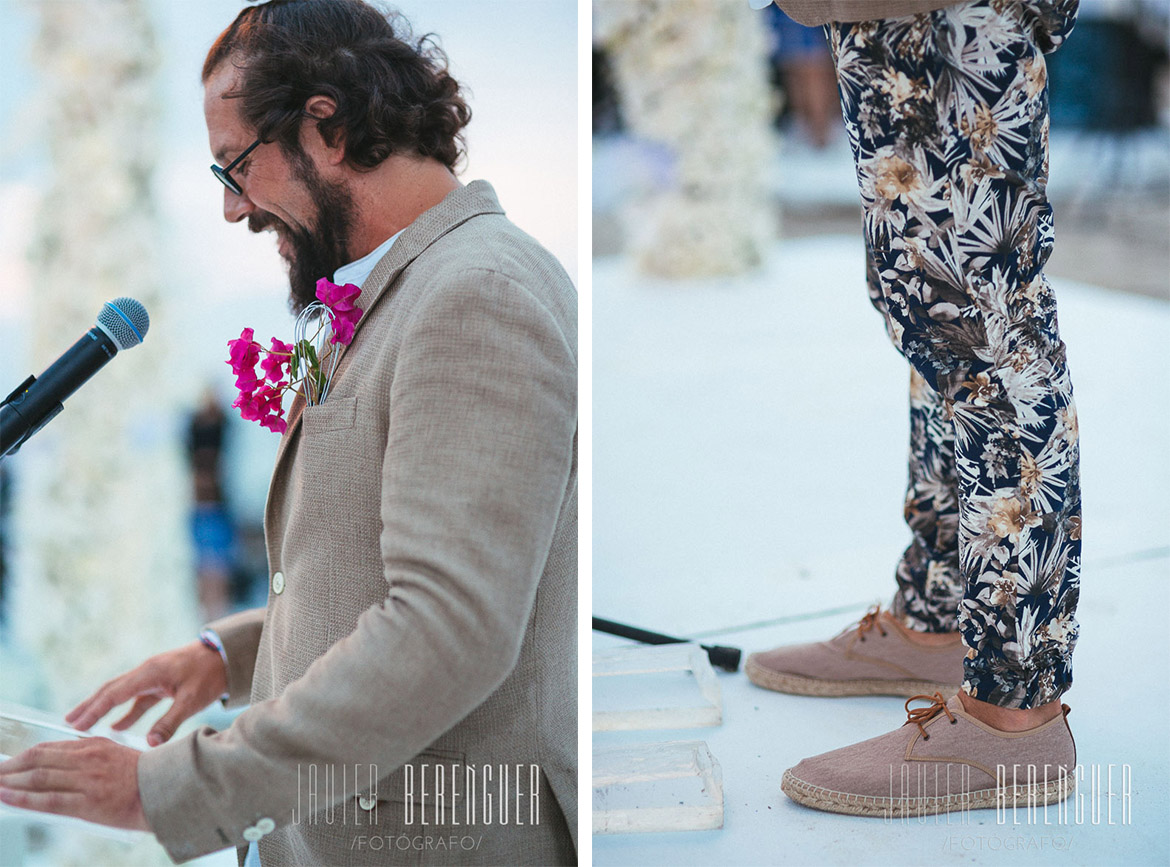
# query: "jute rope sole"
1020,796
798,684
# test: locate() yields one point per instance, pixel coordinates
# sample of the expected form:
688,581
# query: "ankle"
1009,719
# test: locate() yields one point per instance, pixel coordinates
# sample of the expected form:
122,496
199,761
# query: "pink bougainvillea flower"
274,423
249,406
271,411
281,347
340,300
247,381
337,297
263,404
243,352
270,397
343,326
260,400
276,360
261,394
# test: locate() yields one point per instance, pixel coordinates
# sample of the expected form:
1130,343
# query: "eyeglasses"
224,174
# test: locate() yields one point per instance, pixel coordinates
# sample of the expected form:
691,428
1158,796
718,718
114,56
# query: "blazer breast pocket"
333,414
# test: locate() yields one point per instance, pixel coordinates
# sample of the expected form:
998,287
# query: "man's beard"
317,252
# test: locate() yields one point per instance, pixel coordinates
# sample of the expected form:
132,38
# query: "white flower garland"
692,76
103,572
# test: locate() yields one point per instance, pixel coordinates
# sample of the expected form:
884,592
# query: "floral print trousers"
947,116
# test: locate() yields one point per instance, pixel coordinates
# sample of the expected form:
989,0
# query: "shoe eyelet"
926,737
954,721
884,634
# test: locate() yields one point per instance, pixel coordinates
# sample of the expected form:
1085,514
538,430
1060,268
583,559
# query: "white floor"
749,442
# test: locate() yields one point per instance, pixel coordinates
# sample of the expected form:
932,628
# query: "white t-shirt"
357,272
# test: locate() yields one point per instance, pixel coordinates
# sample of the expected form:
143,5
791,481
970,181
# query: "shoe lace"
870,621
920,715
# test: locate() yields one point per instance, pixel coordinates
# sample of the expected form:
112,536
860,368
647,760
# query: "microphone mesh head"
125,320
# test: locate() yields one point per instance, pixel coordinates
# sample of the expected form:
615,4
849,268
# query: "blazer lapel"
457,207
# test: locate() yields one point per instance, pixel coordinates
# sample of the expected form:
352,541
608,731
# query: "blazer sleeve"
240,634
480,446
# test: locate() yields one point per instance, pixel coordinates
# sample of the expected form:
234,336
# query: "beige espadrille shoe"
874,657
941,759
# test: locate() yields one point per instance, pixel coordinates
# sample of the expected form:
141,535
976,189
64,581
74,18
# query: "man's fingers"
141,706
53,754
110,696
84,703
41,779
64,803
85,707
96,706
162,730
74,715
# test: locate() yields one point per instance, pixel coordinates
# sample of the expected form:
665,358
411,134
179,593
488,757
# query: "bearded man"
414,669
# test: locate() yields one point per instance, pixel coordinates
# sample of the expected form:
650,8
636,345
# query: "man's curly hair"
394,95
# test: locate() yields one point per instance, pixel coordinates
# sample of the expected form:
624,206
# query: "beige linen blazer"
813,13
422,543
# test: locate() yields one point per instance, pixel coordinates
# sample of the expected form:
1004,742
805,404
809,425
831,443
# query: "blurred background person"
802,70
211,524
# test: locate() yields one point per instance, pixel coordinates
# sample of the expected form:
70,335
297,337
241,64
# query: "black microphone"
122,323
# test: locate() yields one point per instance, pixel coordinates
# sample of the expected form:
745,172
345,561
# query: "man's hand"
192,675
92,778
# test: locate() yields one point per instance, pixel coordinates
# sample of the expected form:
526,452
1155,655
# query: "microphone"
121,324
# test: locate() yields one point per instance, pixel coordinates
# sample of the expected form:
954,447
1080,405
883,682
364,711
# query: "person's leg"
947,116
929,586
915,647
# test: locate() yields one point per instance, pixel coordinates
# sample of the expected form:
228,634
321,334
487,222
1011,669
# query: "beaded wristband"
209,638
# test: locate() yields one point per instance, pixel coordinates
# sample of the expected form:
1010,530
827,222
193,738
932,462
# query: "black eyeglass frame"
224,173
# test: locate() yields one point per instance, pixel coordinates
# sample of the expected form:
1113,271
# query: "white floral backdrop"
692,76
102,520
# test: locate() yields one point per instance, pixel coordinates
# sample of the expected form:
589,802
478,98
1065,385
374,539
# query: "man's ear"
317,108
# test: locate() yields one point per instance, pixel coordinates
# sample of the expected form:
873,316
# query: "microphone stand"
726,658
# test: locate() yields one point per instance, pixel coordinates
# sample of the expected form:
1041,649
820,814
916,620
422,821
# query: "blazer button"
367,802
252,834
266,826
278,583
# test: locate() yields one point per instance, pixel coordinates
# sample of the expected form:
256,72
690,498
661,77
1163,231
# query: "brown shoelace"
920,715
870,621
